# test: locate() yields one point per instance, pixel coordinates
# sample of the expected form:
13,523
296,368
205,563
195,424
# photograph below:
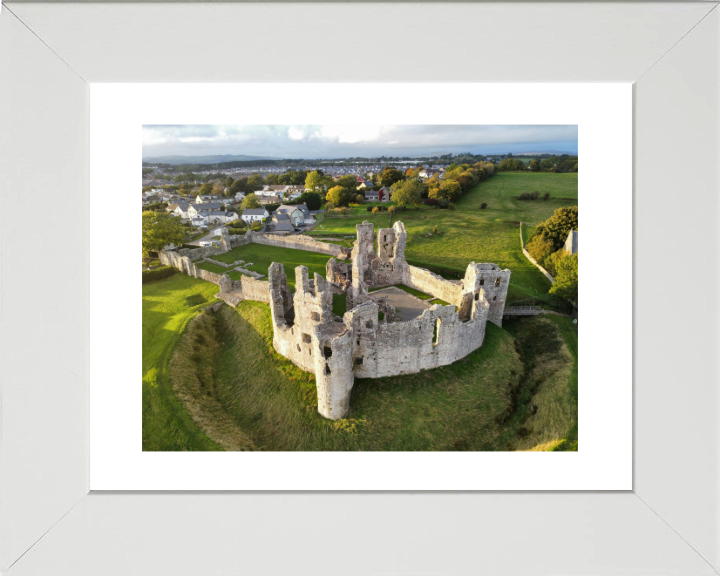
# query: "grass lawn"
168,305
262,256
470,234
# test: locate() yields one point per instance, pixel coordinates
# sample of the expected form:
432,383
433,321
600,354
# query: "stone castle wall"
301,243
430,283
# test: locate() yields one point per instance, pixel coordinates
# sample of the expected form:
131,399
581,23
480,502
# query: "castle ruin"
371,340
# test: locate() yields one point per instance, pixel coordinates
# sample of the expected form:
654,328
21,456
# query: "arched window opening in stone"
497,282
327,351
436,335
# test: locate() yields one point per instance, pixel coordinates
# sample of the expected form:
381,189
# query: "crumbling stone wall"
308,333
388,349
299,242
253,289
494,282
369,269
430,283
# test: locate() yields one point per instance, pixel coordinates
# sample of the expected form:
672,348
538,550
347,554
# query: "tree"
271,180
360,199
511,165
229,181
254,183
206,189
238,186
319,183
250,201
448,189
339,196
158,230
407,193
311,199
534,166
483,206
218,189
390,175
556,228
566,280
349,181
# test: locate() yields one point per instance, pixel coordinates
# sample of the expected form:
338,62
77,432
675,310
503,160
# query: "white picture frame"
49,523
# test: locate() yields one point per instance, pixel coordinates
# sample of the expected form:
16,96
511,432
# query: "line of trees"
558,164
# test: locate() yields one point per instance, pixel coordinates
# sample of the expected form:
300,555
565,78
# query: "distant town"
270,195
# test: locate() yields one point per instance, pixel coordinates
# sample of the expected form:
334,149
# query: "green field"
249,397
470,234
263,256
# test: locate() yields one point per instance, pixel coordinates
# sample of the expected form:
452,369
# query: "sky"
325,141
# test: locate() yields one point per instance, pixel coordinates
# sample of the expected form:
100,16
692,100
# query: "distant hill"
546,152
176,160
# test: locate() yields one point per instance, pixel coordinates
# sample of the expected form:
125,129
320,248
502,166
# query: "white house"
179,209
251,215
239,196
296,215
272,190
215,217
209,198
194,210
199,221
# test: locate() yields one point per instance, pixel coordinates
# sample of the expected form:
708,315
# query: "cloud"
337,141
295,133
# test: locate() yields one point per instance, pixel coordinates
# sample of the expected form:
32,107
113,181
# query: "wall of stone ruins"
301,242
388,349
307,332
430,283
252,289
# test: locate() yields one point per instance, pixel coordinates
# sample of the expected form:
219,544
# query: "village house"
199,221
194,210
218,216
270,199
294,214
203,199
251,215
240,196
272,190
179,209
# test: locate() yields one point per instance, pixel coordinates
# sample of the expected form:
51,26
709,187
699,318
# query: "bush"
238,223
529,195
451,206
369,208
392,209
483,206
376,210
360,199
157,274
546,195
431,202
236,231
